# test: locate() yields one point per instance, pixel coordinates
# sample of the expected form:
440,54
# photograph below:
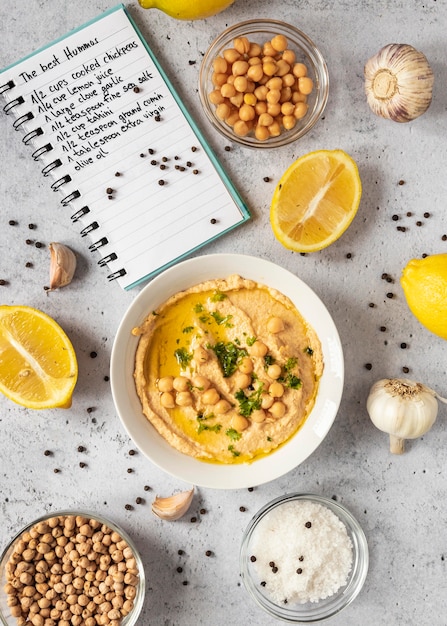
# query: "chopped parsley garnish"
222,320
308,350
233,434
269,439
204,318
218,296
268,360
290,363
183,357
250,403
229,355
233,451
250,341
215,428
188,329
198,308
293,381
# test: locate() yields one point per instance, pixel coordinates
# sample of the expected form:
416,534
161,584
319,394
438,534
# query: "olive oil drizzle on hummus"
214,332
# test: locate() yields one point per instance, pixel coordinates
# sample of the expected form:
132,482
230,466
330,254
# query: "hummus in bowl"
227,370
222,475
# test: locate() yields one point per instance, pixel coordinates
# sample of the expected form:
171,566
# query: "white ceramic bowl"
307,612
129,620
157,449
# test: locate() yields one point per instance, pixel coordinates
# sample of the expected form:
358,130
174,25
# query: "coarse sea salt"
300,552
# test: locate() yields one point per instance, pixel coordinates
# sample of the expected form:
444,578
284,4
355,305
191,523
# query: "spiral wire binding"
57,184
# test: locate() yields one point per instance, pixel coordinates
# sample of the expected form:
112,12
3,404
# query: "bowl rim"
312,612
130,619
307,46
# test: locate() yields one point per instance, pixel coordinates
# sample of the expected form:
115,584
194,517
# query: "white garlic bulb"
402,408
398,83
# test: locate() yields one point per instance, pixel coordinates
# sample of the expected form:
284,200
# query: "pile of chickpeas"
260,89
71,571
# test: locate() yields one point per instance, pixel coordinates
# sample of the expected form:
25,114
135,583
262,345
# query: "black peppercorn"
274,569
164,159
349,255
263,583
193,520
180,552
299,571
185,582
151,151
93,354
382,329
242,509
109,190
161,182
47,453
136,89
29,242
179,569
405,370
82,464
403,345
252,558
193,149
31,226
128,507
12,223
129,470
308,524
266,179
28,264
390,295
81,449
227,148
117,173
132,452
426,215
195,172
202,511
401,182
213,220
147,488
56,470
395,218
208,553
138,500
368,366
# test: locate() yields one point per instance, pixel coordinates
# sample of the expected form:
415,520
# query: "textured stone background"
399,501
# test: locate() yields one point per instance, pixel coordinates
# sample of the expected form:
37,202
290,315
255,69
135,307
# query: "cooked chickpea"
274,371
276,390
289,121
305,85
269,68
283,68
239,68
279,43
268,50
255,50
259,348
241,84
219,79
239,422
220,65
266,401
167,400
227,90
231,55
242,45
300,110
201,383
275,129
262,133
250,98
165,383
299,70
289,56
275,324
221,407
236,101
210,396
288,80
241,381
246,365
274,109
223,110
278,409
241,128
258,416
265,119
181,383
246,113
183,398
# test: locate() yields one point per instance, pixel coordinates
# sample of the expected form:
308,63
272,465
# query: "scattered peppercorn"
202,511
272,564
109,190
213,220
193,520
110,197
138,500
128,507
424,255
253,558
47,452
180,552
179,569
31,226
82,464
405,370
106,378
368,366
129,470
161,182
382,329
3,282
176,158
418,223
409,213
302,557
266,179
117,173
142,155
164,159
28,264
132,452
401,229
136,89
263,583
395,218
308,524
191,62
151,151
426,215
29,242
90,409
251,489
162,166
93,354
444,237
147,488
242,509
401,182
208,553
56,470
188,164
390,295
299,571
12,223
81,449
185,582
389,279
227,148
371,305
38,244
349,255
193,149
403,345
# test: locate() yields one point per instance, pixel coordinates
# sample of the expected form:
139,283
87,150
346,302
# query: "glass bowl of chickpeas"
71,568
263,83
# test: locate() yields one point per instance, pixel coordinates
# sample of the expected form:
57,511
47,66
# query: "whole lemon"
424,282
187,9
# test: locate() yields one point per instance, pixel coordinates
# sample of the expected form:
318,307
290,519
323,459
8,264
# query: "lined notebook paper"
109,131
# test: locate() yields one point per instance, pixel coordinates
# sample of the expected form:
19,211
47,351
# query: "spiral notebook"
110,132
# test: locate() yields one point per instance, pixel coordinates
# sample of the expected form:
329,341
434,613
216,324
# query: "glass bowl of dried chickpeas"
71,568
263,83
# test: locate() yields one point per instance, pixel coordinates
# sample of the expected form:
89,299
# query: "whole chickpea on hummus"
227,370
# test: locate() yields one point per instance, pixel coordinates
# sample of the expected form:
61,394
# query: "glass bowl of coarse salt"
303,558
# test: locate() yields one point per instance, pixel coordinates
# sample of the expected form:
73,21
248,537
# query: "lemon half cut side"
315,200
38,365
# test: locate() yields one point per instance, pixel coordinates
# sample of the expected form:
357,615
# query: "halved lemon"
315,200
38,365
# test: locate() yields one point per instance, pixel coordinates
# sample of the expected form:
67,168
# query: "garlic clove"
398,83
62,265
173,507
